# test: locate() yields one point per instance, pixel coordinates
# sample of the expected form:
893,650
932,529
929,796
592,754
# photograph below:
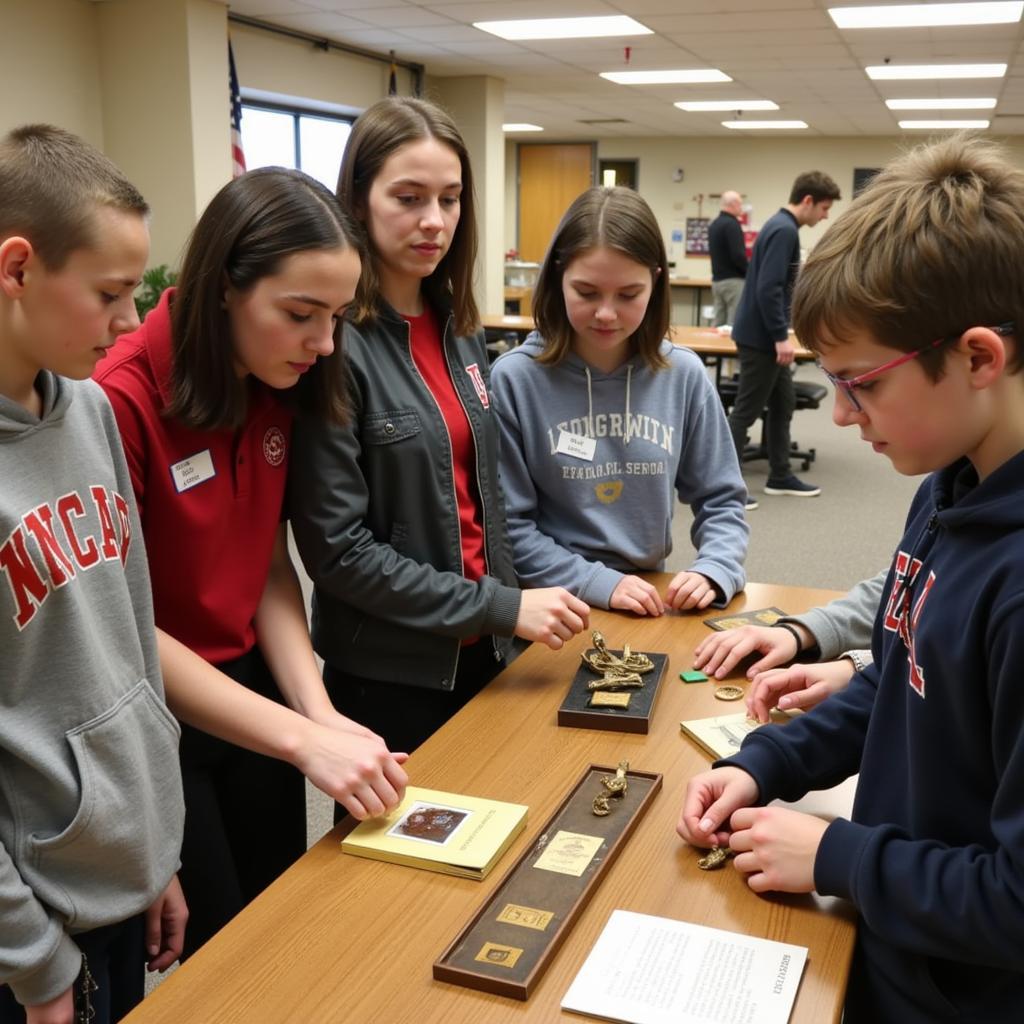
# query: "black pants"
245,817
405,716
116,955
764,387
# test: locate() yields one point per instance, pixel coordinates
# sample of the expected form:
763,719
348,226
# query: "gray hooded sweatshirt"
91,808
582,522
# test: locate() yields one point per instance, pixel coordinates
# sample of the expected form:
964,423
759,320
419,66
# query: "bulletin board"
697,236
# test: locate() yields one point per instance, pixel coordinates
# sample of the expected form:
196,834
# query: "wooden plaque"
510,941
576,709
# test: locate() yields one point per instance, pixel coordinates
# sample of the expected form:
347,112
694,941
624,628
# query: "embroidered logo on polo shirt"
274,446
478,382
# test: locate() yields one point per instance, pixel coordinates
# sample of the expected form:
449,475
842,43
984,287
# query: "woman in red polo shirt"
203,393
398,515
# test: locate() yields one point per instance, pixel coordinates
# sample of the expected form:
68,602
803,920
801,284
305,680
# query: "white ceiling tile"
399,17
784,50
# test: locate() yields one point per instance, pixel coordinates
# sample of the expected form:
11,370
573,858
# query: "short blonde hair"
934,245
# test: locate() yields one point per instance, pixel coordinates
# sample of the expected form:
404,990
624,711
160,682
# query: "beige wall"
291,69
762,169
160,111
477,103
48,54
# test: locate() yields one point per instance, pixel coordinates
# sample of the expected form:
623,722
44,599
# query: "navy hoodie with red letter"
933,858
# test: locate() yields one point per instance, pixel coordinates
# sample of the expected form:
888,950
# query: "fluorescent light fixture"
681,76
697,105
939,125
757,125
564,28
881,72
926,15
978,103
521,127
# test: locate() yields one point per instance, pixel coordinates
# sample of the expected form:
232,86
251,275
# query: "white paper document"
653,970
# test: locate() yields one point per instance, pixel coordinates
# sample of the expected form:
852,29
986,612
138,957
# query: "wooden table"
696,286
341,939
715,348
519,325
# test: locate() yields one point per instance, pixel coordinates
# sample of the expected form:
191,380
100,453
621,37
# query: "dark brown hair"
50,185
932,246
250,226
619,219
816,184
380,130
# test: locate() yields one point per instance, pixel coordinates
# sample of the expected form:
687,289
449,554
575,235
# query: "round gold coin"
729,692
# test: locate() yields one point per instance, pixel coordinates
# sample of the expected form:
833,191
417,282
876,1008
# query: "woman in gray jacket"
398,515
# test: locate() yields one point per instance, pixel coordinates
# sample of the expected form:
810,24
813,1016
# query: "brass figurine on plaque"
614,786
715,858
616,673
601,659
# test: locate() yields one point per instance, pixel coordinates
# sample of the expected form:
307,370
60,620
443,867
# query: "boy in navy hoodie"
912,302
91,809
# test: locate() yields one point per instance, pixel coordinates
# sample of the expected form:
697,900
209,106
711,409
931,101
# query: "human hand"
799,686
551,615
710,800
690,590
720,653
165,927
785,352
59,1010
776,847
633,594
336,720
357,771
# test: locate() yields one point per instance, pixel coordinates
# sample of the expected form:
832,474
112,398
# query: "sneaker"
751,503
791,485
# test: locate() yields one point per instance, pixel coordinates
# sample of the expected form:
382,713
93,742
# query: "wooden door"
550,178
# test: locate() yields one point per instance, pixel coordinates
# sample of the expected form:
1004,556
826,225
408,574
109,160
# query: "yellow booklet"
722,735
447,832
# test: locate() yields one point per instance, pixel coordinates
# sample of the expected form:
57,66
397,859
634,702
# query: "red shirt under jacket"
210,501
428,355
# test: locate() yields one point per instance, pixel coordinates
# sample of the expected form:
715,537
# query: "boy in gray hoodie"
90,794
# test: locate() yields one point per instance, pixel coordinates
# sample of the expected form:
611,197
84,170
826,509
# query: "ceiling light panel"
978,103
926,15
564,28
893,72
939,125
693,106
679,76
759,125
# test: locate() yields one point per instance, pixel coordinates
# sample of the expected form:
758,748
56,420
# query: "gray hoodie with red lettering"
91,809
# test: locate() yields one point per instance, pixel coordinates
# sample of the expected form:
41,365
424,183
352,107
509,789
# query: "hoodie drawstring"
590,402
629,377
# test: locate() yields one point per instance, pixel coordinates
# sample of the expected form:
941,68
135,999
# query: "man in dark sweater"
728,258
761,330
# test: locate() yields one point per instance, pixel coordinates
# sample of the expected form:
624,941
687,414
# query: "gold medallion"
729,692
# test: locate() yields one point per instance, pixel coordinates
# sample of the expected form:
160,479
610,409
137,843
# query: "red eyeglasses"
848,385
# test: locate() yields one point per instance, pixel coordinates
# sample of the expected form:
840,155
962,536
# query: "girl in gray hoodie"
603,422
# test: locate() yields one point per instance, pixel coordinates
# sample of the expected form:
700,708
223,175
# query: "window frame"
296,113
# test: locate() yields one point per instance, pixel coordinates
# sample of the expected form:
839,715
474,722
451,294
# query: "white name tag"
576,445
193,471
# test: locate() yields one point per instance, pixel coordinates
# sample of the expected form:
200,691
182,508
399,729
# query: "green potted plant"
154,282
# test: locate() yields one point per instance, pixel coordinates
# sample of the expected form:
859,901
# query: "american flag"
237,153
